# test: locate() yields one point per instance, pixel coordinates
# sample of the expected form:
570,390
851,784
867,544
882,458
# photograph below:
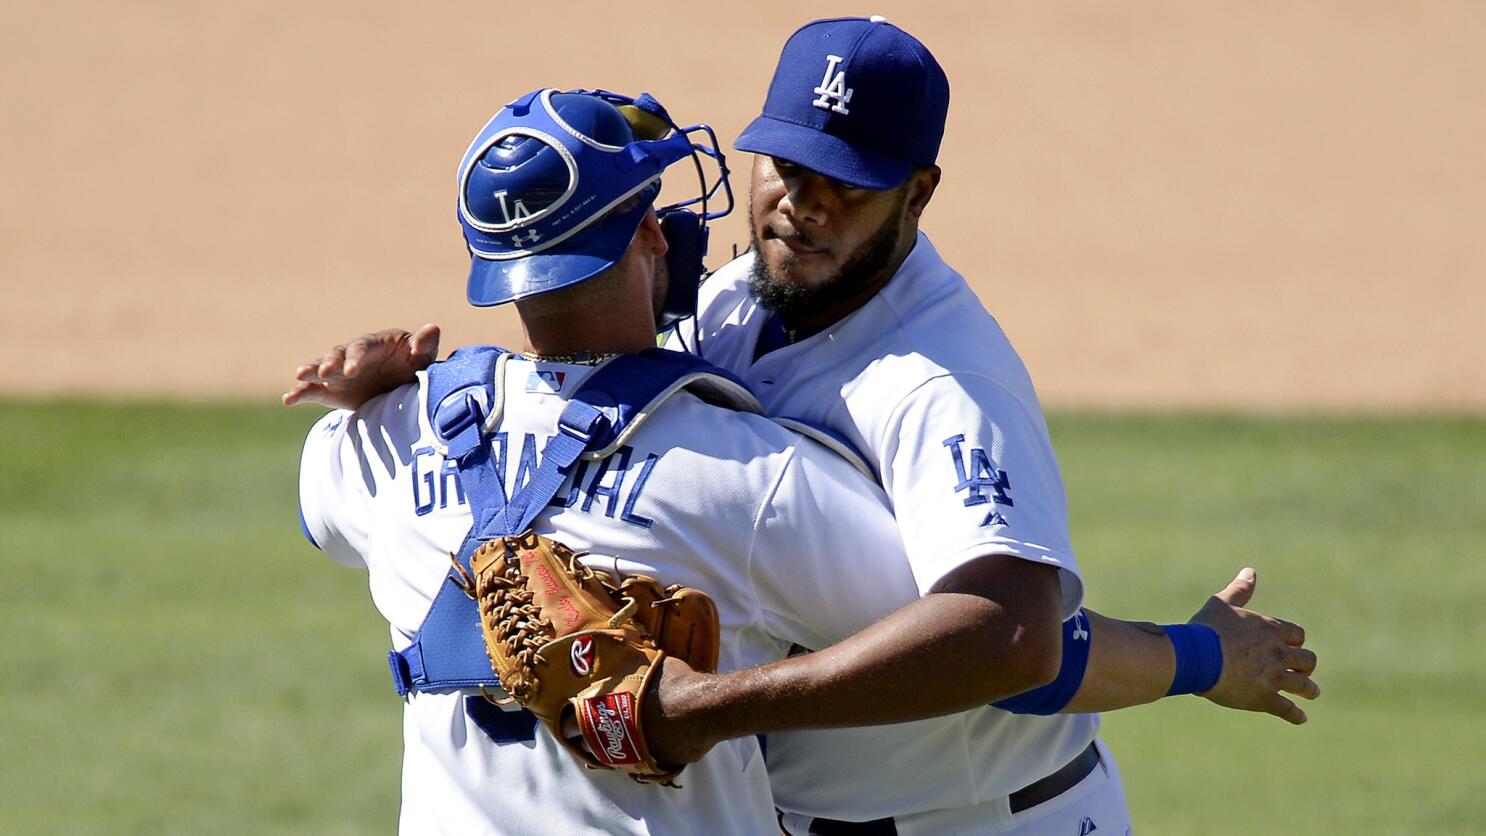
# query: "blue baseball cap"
856,99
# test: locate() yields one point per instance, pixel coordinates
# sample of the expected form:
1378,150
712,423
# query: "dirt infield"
1218,204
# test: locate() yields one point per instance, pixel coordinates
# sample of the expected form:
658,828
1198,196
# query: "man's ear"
921,185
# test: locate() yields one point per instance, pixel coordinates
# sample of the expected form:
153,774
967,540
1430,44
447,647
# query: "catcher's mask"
554,186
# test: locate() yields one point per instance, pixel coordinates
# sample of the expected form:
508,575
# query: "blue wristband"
1052,697
1199,657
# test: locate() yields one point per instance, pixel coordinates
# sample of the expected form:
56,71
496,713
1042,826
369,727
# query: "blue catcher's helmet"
554,186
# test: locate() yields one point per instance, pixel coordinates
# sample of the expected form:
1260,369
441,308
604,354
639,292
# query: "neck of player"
610,314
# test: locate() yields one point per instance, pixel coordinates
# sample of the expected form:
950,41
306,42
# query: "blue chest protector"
464,405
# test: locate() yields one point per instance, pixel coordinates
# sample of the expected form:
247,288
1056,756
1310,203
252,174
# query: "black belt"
1057,783
1033,794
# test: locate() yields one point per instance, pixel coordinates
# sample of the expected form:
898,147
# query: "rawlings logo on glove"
582,656
539,606
607,730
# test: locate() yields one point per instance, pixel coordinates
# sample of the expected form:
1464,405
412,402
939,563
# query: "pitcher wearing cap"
843,314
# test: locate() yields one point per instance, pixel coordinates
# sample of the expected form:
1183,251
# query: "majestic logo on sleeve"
981,481
832,90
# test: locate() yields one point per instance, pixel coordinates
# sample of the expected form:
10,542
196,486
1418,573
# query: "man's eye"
784,165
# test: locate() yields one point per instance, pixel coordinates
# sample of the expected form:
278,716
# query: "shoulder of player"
399,412
387,427
954,394
944,339
728,438
687,420
946,325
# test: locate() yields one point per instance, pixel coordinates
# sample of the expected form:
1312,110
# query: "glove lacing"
517,620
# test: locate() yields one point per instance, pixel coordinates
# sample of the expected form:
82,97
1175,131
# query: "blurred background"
1241,247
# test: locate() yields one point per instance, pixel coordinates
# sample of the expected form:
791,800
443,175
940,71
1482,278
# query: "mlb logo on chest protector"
546,381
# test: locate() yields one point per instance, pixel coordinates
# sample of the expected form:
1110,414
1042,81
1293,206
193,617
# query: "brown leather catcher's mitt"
568,641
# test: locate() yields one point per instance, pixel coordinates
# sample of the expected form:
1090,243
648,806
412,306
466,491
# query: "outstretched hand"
350,375
1262,656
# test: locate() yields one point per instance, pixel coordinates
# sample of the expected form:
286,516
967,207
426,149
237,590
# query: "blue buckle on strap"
458,422
460,416
588,421
402,678
581,434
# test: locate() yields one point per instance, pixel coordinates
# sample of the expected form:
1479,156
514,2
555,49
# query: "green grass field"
178,660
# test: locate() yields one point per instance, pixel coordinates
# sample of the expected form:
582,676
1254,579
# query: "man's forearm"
950,651
1229,655
895,671
1130,663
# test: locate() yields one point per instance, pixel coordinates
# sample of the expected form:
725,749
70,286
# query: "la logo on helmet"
833,88
522,213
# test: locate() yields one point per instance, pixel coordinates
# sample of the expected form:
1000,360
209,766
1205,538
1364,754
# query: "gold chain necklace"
585,358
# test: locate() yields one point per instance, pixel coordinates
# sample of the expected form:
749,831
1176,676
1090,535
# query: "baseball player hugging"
692,487
599,553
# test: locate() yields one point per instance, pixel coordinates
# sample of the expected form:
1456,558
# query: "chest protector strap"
464,406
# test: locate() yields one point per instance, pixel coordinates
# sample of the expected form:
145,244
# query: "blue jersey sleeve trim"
1054,696
304,528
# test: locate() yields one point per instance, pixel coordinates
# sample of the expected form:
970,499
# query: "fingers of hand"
306,393
1284,709
1238,591
1298,684
356,353
1299,659
1290,633
332,363
293,396
425,345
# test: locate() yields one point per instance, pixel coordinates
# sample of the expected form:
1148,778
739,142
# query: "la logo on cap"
833,88
813,117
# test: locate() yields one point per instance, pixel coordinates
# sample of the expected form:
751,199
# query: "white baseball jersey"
925,384
759,517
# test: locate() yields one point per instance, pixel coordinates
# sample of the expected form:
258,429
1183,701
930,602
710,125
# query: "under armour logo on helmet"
833,92
532,237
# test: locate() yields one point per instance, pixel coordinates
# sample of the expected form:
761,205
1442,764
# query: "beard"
793,302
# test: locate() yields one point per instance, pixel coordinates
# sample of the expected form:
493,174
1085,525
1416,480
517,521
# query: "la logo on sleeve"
982,482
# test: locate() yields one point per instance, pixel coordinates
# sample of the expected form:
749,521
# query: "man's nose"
807,199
